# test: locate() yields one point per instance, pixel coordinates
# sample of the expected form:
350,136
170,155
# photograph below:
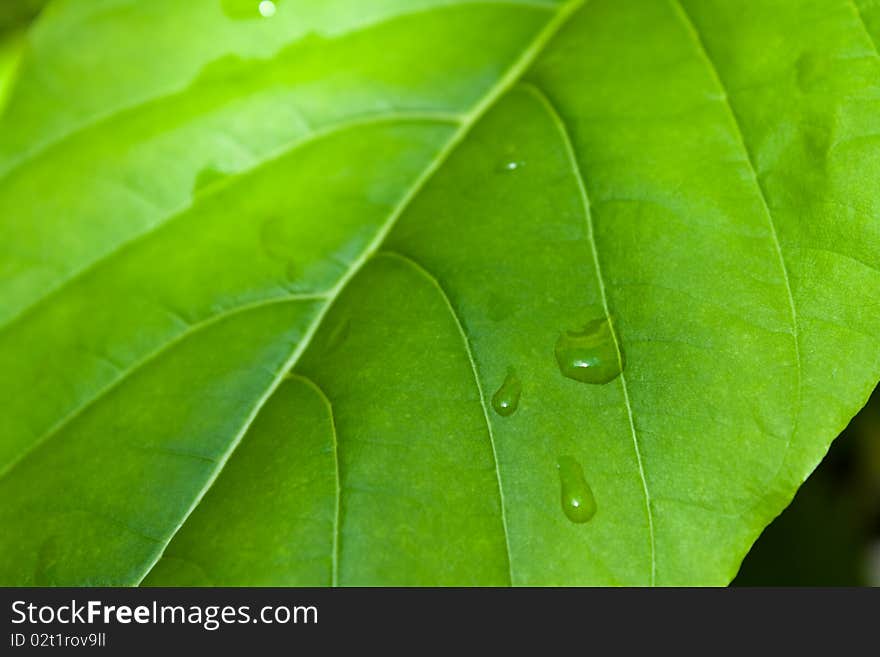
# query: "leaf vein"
691,27
572,157
503,84
861,18
337,514
99,120
143,362
224,183
434,281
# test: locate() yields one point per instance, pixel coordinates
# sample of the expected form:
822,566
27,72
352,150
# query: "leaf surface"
259,287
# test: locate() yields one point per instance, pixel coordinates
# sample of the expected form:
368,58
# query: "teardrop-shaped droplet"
590,355
578,502
505,401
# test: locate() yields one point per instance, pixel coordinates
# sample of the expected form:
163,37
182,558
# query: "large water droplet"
590,355
578,502
505,401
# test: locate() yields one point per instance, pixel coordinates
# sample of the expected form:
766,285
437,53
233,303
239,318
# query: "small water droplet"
591,354
578,503
511,165
505,401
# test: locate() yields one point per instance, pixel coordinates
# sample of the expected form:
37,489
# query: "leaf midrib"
188,332
42,151
27,157
516,70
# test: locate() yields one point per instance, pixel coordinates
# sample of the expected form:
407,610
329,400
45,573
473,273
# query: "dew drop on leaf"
578,502
511,165
590,355
505,401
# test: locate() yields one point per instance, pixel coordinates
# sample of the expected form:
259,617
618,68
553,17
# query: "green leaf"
260,280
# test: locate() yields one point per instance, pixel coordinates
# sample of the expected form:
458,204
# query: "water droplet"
505,401
589,355
511,165
578,502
